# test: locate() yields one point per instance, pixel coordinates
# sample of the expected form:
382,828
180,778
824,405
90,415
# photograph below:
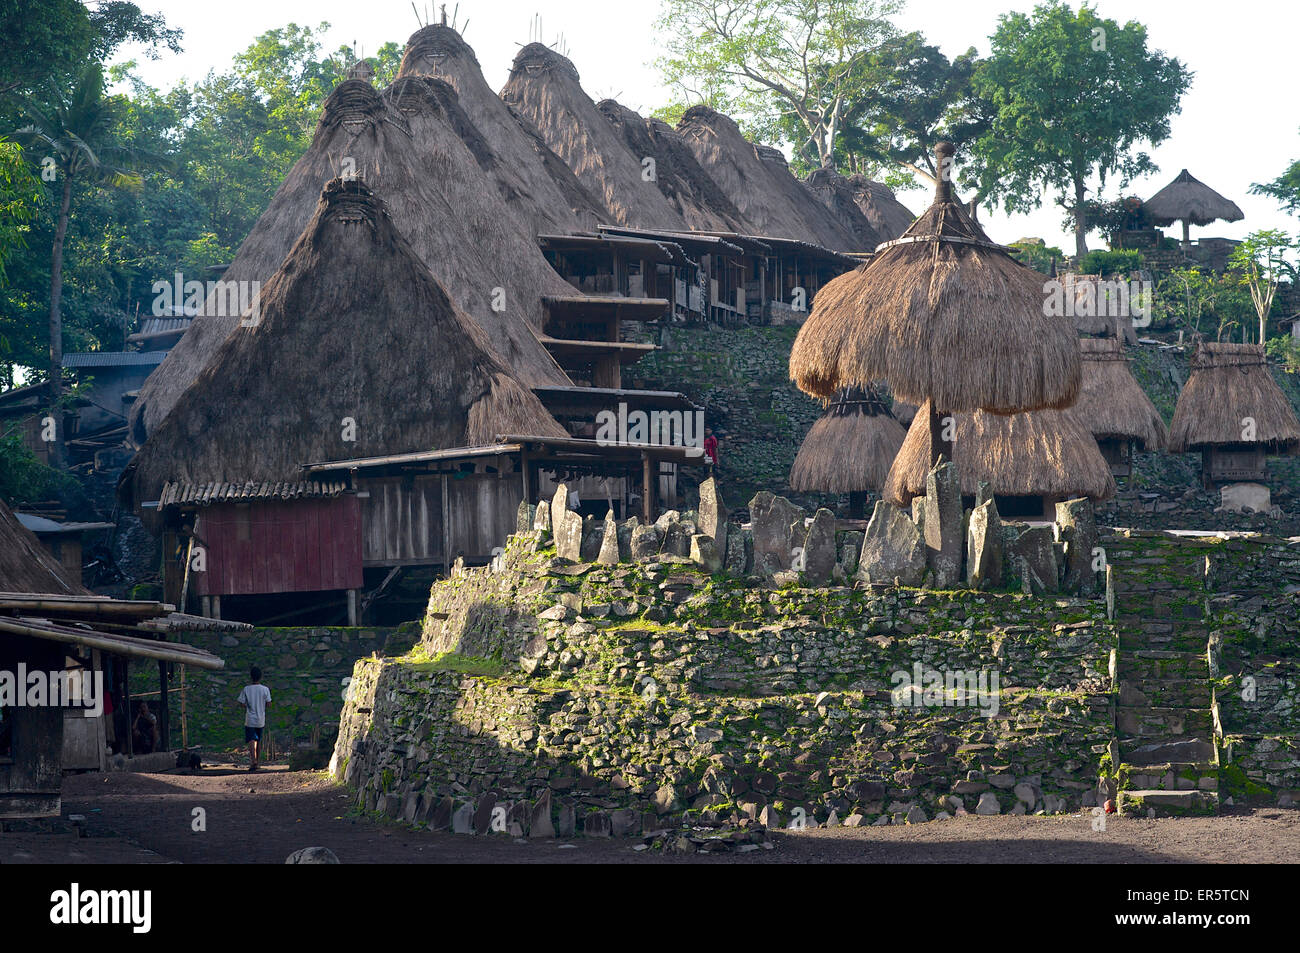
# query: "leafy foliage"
1108,263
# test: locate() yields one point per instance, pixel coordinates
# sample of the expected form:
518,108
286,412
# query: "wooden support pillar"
352,608
216,607
525,476
205,606
938,446
126,704
649,481
607,371
446,526
164,728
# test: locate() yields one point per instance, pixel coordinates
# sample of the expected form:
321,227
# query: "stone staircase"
1165,754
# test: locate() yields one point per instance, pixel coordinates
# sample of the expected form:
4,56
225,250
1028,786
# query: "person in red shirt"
710,449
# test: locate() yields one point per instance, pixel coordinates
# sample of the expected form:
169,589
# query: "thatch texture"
888,216
765,191
850,448
1044,453
530,178
25,565
354,325
1188,199
1228,384
441,201
697,198
1111,402
544,88
944,314
833,191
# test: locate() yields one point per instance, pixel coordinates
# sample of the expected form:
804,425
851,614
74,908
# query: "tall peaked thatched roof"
1188,199
354,327
544,88
440,199
759,183
688,187
887,215
833,190
25,565
1111,402
530,178
851,446
1230,384
1044,453
941,313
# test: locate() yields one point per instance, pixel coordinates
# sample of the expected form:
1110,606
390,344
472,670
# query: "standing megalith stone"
592,537
1033,553
819,552
943,530
713,514
704,553
644,542
608,555
984,547
1078,528
540,824
525,516
771,518
542,517
891,549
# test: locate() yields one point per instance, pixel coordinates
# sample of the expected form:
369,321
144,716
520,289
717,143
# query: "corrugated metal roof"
205,494
162,325
114,359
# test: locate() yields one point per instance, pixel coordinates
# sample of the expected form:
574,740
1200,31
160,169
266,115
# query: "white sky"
1240,121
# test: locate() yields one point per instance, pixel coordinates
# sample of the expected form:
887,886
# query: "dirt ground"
264,817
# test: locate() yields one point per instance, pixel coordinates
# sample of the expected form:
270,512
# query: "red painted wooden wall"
280,546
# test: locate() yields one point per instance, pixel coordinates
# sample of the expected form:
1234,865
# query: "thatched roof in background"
1229,383
888,216
441,200
25,565
1111,402
942,313
544,88
765,191
354,325
1044,453
1187,199
833,191
850,448
904,412
688,187
530,178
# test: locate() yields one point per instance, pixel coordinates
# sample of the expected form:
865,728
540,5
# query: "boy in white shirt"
254,698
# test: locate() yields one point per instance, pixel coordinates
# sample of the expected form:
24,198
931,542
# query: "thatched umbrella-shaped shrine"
1115,407
886,214
849,449
942,315
1233,412
1189,200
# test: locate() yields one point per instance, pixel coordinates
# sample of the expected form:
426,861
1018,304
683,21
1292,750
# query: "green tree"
1285,188
769,61
1072,96
1259,264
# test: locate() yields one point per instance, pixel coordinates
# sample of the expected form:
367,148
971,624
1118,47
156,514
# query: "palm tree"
74,130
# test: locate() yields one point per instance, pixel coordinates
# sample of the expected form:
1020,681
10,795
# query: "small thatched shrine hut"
531,179
849,449
888,216
544,88
1031,461
834,191
1232,411
941,315
1115,407
699,200
1189,200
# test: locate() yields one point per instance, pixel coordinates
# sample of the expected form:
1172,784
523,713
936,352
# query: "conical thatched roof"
1228,384
25,565
833,190
697,198
759,183
530,178
355,326
1044,453
941,313
1111,402
1187,199
850,448
441,201
888,216
544,88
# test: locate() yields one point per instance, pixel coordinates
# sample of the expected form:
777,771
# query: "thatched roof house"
544,88
760,186
834,191
941,313
530,178
1232,410
354,328
1034,458
1189,200
403,143
888,216
850,448
1114,406
688,187
25,565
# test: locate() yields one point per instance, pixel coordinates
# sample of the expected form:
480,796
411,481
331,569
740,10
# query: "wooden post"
126,703
647,491
216,607
164,719
446,527
938,446
352,608
525,475
205,606
185,728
